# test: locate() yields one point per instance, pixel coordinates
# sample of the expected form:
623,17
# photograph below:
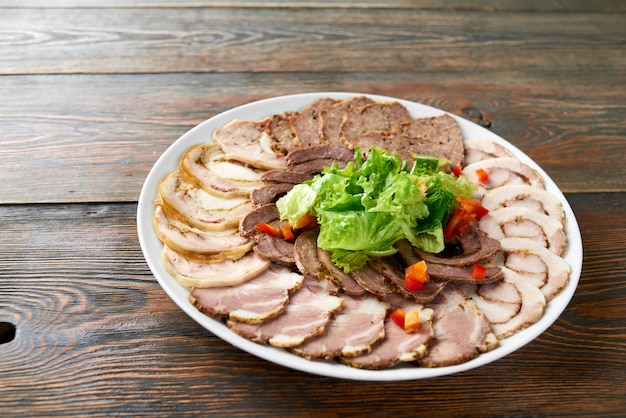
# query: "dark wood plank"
52,41
97,335
100,134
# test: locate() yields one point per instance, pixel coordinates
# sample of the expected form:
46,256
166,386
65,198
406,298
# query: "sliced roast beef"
483,149
353,330
262,297
270,193
282,176
374,117
263,214
331,118
307,314
306,123
275,249
283,139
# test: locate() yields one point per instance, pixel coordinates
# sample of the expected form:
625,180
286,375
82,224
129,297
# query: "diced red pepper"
397,317
479,272
453,223
269,229
287,232
456,170
412,321
482,175
306,221
415,276
481,211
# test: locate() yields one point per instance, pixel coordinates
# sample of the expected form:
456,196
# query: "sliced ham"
539,266
480,149
521,222
306,123
331,117
206,166
307,314
374,117
503,171
262,297
353,330
248,142
525,196
193,205
230,272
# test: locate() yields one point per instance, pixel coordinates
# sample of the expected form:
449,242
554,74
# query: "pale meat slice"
306,123
461,330
206,166
248,142
199,245
520,222
229,272
374,117
480,149
262,297
331,117
398,346
539,266
525,196
510,306
307,314
353,331
503,171
193,205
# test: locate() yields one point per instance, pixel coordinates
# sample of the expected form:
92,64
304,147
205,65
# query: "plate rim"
328,368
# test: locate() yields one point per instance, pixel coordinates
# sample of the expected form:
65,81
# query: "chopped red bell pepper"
412,321
481,211
397,316
287,232
415,276
457,170
269,229
482,175
453,223
306,221
479,272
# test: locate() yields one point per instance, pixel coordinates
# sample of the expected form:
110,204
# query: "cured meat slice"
480,149
198,245
474,247
306,123
194,206
539,266
307,314
331,117
260,298
353,330
276,249
336,153
525,196
374,117
283,139
503,171
206,166
329,271
263,214
371,280
270,193
248,142
305,252
522,222
510,306
229,272
398,345
461,330
280,176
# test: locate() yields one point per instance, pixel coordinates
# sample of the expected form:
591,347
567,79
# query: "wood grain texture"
97,336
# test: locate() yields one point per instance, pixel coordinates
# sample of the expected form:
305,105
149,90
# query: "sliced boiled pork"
526,196
480,149
503,171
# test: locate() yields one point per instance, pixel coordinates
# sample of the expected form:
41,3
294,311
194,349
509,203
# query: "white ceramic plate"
151,246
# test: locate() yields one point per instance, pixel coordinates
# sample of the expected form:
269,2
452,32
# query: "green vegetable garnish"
365,208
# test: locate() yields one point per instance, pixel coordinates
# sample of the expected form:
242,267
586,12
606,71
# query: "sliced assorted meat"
281,176
306,123
305,253
262,297
525,196
248,142
316,166
230,272
206,166
466,250
283,139
521,222
329,271
353,330
198,245
374,117
503,171
538,265
483,149
307,314
510,306
330,118
190,204
372,281
270,193
338,153
461,330
275,249
398,345
263,214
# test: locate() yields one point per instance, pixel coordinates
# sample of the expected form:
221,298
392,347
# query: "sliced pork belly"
461,330
230,272
397,346
306,123
283,139
480,149
525,196
374,117
503,171
539,266
262,297
194,206
248,142
307,314
331,117
352,331
198,245
510,306
206,166
522,222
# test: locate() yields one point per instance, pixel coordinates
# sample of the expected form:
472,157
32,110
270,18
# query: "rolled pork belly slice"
503,171
480,149
525,196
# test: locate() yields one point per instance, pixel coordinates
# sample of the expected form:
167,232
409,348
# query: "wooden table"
93,91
